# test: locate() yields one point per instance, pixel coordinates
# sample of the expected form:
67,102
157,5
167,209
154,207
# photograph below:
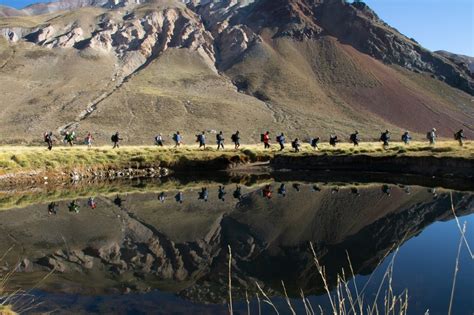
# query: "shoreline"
35,165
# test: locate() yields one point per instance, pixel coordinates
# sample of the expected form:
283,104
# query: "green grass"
14,159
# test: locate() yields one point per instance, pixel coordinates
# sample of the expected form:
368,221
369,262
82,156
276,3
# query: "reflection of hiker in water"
203,194
297,186
386,190
221,194
315,188
433,192
355,191
238,193
179,197
53,208
282,190
407,190
74,206
267,192
335,190
91,203
162,197
118,201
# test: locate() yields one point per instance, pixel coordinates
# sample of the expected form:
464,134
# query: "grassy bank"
15,159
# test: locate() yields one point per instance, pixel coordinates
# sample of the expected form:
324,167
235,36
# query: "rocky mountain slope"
461,60
307,67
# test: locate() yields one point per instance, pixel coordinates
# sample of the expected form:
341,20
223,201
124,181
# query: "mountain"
306,67
460,60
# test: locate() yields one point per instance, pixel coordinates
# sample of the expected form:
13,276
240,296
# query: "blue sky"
435,24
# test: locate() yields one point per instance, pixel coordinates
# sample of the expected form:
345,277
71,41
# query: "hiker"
222,193
281,141
220,140
385,138
88,140
282,190
238,193
431,136
201,138
236,139
52,208
267,192
91,203
69,138
179,197
162,197
386,190
296,145
74,206
178,139
335,190
354,138
159,140
314,143
406,138
459,136
48,138
266,140
116,139
333,140
204,194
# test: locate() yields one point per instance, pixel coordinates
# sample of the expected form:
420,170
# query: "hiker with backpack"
115,140
314,143
201,138
236,139
431,136
204,194
354,138
69,138
296,145
220,140
333,140
266,140
406,138
178,139
459,136
221,193
238,193
281,141
88,140
159,140
385,138
48,138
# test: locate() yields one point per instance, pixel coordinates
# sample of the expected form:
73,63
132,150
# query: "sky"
435,24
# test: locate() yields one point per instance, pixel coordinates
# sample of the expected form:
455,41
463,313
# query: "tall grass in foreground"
347,299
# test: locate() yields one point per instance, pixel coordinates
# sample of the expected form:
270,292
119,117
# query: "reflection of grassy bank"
6,310
20,159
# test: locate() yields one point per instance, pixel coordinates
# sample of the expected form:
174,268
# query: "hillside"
300,66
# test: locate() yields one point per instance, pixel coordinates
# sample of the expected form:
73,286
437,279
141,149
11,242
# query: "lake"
161,246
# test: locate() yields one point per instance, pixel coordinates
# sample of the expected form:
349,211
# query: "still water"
161,247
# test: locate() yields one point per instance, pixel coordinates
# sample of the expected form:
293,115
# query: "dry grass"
18,159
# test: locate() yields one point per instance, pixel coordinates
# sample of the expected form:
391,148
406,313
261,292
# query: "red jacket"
266,138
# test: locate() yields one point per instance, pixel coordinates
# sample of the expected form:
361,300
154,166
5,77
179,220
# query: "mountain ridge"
294,64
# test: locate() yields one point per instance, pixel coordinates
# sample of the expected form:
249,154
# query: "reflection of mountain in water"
145,244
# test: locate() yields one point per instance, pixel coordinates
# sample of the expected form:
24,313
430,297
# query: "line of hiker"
385,137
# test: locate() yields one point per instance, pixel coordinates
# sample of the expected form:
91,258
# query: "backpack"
234,138
114,138
428,135
175,137
278,138
262,137
456,136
